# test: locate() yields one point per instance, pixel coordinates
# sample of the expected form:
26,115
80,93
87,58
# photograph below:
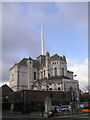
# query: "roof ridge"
55,55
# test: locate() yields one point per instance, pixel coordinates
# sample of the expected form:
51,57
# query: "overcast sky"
65,33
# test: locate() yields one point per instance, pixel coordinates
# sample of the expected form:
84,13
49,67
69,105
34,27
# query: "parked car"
66,108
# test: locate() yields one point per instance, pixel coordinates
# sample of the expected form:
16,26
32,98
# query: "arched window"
44,73
35,75
50,89
62,71
59,89
55,71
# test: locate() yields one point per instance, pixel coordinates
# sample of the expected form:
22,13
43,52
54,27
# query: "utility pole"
72,91
24,105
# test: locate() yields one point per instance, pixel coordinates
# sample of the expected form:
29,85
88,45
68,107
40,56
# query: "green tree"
84,97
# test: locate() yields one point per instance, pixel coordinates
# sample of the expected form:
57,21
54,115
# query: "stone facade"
43,73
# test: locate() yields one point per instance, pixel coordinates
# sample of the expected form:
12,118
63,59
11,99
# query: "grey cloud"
76,13
19,37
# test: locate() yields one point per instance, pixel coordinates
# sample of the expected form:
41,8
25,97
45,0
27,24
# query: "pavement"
6,116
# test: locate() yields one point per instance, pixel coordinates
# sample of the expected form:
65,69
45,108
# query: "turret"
64,58
47,64
30,72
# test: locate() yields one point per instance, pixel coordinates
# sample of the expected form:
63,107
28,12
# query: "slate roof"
40,56
36,63
24,62
6,89
56,57
41,59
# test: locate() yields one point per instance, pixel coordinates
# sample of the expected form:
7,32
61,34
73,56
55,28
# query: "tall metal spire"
42,40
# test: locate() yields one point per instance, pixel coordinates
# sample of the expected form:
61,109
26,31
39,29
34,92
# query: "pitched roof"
23,61
6,89
40,56
55,57
41,59
36,63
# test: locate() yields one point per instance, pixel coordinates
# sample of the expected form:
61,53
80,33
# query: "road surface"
28,117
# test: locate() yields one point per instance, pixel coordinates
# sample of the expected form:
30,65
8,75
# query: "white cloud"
81,70
3,83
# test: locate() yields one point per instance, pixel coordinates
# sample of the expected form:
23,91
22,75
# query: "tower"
47,64
30,73
42,40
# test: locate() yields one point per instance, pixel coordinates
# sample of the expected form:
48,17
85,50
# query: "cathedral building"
47,73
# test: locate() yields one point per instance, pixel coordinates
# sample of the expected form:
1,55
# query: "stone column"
12,107
47,103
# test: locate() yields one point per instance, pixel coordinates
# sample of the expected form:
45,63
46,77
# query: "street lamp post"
73,95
